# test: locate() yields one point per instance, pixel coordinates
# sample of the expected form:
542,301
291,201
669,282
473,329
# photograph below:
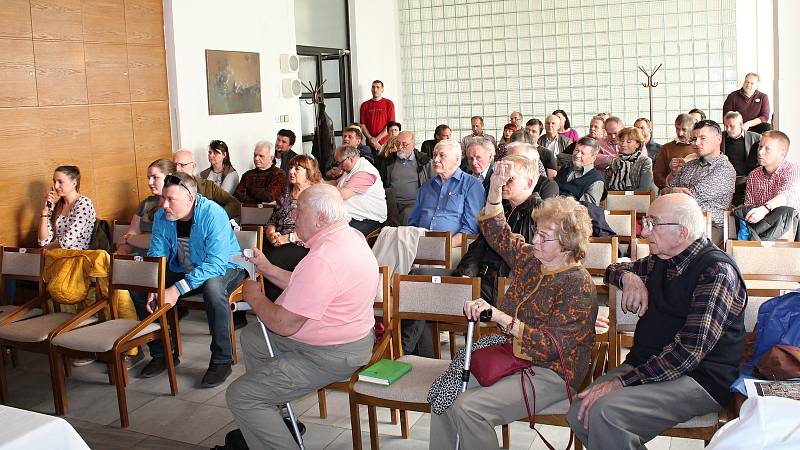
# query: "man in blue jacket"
194,235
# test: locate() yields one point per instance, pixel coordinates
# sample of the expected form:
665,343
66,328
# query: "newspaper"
765,388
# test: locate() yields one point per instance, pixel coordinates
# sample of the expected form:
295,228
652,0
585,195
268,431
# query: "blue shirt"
451,205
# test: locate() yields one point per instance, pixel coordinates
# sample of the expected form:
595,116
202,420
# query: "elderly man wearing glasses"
404,172
193,233
690,298
361,188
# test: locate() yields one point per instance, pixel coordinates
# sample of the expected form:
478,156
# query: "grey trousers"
476,412
297,370
629,417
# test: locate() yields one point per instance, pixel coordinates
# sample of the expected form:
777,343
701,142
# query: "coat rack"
650,85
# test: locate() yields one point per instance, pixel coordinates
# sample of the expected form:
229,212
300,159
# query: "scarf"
620,172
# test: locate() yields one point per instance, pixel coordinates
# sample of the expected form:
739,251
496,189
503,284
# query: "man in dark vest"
690,298
580,179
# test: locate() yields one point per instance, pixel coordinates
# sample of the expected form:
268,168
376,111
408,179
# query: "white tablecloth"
26,430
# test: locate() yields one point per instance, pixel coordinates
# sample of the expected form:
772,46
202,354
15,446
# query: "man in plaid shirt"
776,183
690,299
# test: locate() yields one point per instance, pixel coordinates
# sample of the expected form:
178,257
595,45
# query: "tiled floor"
199,418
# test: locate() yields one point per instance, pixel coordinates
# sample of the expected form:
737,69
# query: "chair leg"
437,343
110,373
67,363
578,444
59,384
374,438
355,424
173,381
452,344
404,424
393,419
3,387
119,382
506,437
177,331
323,404
233,342
14,357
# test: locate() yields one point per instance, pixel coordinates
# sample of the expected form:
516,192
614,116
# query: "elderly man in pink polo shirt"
321,326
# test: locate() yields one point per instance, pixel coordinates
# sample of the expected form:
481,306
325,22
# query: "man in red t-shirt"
375,114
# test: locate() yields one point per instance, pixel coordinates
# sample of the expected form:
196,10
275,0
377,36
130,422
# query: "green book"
385,372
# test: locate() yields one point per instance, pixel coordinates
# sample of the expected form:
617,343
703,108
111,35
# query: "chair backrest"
623,223
766,260
640,248
256,214
383,302
601,252
118,230
466,240
709,223
638,201
435,299
21,263
138,273
433,249
250,236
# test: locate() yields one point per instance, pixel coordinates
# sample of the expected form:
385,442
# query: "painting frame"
233,80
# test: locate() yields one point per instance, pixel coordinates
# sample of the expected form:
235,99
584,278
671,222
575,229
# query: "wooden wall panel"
144,22
148,73
151,137
66,140
60,73
107,73
104,21
57,19
17,73
15,19
114,160
22,176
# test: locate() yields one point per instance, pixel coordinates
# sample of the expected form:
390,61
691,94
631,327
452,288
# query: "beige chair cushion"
101,337
413,387
38,328
707,420
8,309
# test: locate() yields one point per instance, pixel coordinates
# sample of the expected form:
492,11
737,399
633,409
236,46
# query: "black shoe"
216,375
234,440
156,366
239,320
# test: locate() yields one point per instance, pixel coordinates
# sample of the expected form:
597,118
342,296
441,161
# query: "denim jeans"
215,295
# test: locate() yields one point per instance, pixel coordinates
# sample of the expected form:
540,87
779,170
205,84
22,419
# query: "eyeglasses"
542,237
339,163
184,164
649,224
172,180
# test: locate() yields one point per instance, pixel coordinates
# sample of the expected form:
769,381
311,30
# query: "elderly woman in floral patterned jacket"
549,290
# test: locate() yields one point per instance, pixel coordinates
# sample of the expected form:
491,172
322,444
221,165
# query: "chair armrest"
236,295
378,352
76,321
160,311
24,308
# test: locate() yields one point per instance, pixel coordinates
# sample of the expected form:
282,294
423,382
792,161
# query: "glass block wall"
490,57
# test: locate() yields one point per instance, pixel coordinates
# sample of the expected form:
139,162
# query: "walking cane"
485,317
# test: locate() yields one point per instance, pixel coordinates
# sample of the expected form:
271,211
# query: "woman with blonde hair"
631,169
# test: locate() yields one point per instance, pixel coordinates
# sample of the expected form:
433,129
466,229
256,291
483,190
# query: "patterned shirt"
282,217
259,186
717,300
712,184
762,187
73,230
565,302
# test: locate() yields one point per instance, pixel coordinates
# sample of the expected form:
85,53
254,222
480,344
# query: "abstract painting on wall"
234,82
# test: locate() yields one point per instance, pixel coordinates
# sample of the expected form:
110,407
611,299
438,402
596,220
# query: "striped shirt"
717,301
762,187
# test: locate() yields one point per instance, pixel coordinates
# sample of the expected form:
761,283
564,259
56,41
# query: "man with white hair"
361,188
266,182
544,186
690,298
184,162
450,201
480,159
321,326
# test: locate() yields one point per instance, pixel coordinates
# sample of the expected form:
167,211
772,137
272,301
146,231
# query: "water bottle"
744,232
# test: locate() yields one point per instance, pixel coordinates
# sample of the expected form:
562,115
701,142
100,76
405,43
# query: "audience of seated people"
631,169
137,239
283,149
580,179
646,127
67,217
404,171
741,148
362,190
672,153
221,171
265,182
772,198
184,163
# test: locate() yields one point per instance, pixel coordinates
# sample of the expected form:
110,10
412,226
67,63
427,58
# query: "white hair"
326,202
264,144
526,150
688,214
454,146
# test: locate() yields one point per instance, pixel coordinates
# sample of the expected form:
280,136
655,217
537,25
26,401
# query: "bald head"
184,160
318,207
678,221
